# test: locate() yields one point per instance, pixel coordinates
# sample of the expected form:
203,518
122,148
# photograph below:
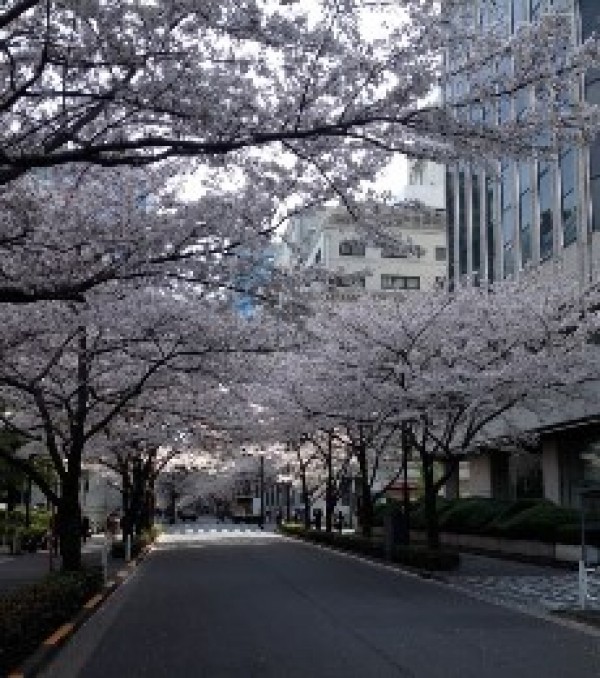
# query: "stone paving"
547,592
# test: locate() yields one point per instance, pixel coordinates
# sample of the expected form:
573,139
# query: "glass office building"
528,212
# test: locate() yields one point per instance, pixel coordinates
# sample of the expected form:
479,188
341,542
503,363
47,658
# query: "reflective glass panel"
546,194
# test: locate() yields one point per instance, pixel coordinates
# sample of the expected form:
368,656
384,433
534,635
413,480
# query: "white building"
425,184
406,254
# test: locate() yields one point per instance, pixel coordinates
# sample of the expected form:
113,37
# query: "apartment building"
406,255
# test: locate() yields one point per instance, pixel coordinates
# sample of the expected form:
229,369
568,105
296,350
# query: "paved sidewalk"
534,587
18,571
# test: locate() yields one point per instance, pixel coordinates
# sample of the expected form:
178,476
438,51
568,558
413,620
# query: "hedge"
531,519
472,515
413,556
30,615
539,522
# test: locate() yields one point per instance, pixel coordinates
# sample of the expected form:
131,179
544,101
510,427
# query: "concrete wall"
480,476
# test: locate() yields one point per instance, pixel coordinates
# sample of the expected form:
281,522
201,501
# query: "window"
450,222
393,251
462,224
568,199
440,254
546,196
348,281
353,248
525,212
400,282
475,223
507,218
491,243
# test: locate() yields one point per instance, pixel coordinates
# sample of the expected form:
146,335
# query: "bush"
514,509
417,515
540,522
471,515
414,556
29,615
32,538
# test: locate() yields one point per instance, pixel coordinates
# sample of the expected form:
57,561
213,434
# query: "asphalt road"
220,605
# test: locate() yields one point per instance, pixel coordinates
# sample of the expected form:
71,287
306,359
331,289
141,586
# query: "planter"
536,550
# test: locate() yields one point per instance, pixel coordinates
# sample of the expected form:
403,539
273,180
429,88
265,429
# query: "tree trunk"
148,506
68,524
405,491
365,512
452,479
305,501
329,495
431,516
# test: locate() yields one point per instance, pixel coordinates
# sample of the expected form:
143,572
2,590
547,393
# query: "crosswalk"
215,533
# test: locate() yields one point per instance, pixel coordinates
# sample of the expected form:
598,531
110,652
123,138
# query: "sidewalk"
537,587
18,571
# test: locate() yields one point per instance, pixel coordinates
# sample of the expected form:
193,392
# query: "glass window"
491,243
399,282
354,248
475,223
537,8
568,175
521,103
394,251
525,211
546,195
519,12
590,18
450,221
440,254
462,224
348,280
507,217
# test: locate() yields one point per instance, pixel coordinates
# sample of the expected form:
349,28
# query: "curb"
446,582
52,644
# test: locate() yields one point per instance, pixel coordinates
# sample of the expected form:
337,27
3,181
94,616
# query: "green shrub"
32,538
514,509
541,522
414,556
29,615
418,519
471,515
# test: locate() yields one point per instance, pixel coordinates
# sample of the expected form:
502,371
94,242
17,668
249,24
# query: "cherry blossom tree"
69,371
133,83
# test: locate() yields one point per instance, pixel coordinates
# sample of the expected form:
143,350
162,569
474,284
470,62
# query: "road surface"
215,602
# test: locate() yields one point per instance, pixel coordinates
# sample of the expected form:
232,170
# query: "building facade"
531,212
407,255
